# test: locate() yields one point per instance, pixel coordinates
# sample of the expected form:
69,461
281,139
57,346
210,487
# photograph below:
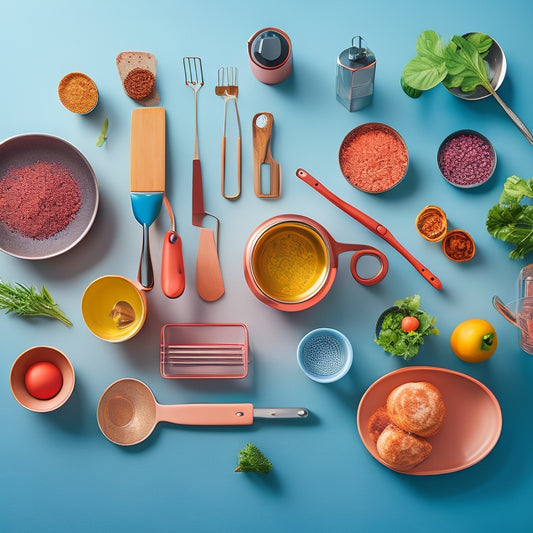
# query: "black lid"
270,48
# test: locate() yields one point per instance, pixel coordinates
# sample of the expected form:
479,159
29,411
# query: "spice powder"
39,200
373,158
78,93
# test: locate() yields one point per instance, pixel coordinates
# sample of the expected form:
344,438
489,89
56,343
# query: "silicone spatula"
147,178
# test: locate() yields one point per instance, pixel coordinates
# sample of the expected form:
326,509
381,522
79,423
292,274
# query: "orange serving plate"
469,432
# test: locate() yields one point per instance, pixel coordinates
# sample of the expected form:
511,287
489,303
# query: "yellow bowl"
99,301
24,361
290,262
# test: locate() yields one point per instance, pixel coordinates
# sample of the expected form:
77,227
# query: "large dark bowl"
23,150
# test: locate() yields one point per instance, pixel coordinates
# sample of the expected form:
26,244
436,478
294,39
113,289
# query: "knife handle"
197,193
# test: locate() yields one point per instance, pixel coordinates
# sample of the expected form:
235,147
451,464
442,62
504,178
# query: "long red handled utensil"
371,224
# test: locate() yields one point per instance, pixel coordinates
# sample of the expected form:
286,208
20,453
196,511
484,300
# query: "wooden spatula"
147,178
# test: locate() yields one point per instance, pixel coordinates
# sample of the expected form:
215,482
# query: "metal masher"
209,282
228,89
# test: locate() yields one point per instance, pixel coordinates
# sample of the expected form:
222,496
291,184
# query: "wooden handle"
262,133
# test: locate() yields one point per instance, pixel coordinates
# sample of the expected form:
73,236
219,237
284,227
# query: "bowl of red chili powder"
48,196
466,159
373,157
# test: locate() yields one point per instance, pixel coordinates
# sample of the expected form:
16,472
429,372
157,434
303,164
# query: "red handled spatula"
147,178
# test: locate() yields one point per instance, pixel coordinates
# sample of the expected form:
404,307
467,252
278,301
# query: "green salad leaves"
512,221
458,63
398,342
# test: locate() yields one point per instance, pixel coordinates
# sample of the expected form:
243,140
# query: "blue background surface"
58,471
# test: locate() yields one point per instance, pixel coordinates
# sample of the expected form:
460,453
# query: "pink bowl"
39,354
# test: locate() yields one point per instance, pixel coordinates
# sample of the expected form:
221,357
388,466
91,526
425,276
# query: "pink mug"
270,53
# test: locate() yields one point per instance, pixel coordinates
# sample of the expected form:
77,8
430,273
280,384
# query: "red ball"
43,380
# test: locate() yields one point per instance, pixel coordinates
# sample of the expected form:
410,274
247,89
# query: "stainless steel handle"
514,117
281,412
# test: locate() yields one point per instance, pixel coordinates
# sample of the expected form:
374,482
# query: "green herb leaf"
466,68
458,64
251,459
409,91
509,220
481,41
103,136
512,224
514,189
26,301
423,73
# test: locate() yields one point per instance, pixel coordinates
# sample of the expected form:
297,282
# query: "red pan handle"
381,257
371,224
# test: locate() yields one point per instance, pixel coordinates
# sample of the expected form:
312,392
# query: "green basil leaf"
423,73
462,58
429,44
481,41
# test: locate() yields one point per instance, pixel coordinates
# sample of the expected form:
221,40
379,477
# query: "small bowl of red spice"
373,157
466,159
458,246
78,93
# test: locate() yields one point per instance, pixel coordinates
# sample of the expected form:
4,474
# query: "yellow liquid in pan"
290,262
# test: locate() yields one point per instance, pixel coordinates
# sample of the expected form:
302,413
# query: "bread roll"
377,422
400,449
417,407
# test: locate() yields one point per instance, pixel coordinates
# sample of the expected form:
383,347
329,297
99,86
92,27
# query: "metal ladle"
497,64
128,412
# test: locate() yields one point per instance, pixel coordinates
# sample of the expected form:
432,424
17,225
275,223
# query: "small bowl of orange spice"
431,223
78,93
458,246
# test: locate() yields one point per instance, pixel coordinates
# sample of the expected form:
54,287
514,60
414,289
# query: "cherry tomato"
474,340
43,380
410,323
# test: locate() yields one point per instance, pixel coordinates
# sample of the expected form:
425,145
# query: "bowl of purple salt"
466,159
48,196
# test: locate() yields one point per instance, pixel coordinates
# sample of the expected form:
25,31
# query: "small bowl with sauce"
114,308
42,379
458,246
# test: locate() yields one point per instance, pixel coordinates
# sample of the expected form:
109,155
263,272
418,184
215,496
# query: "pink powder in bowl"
466,159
